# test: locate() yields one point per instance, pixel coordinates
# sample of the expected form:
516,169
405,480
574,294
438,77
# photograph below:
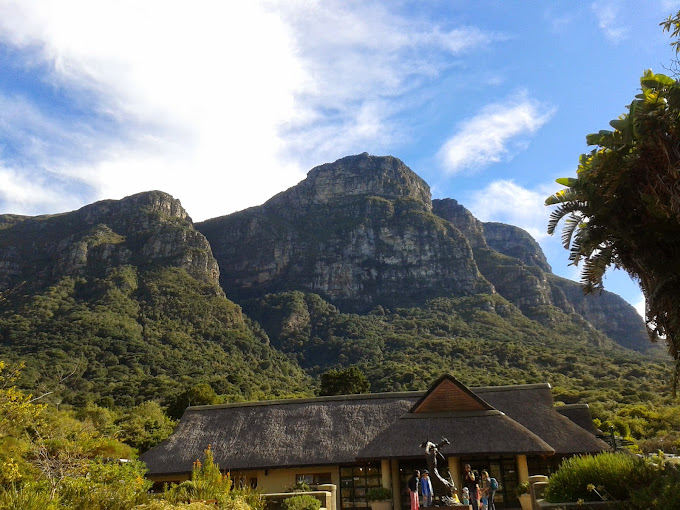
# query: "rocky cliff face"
359,232
146,229
517,243
515,264
353,177
473,229
606,311
363,232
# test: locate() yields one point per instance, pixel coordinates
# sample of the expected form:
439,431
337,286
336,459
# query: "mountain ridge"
353,249
257,304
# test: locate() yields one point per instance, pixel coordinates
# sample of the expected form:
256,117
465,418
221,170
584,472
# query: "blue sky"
224,104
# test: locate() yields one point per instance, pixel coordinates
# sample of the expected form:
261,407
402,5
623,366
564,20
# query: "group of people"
478,491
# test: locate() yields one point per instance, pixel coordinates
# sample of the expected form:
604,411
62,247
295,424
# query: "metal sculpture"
440,486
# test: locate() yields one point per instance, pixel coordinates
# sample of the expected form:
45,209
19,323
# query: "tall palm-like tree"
623,207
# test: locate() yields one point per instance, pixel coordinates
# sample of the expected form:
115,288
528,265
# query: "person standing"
470,482
490,486
413,489
426,488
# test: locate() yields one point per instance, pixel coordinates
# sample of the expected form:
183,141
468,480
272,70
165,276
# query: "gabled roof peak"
447,394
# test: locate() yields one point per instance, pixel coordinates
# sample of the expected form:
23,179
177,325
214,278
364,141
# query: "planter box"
525,501
381,505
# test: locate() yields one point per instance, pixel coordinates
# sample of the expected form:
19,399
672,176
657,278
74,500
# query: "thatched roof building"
499,422
579,414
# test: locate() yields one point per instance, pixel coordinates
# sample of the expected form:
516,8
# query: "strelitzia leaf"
656,80
566,181
623,123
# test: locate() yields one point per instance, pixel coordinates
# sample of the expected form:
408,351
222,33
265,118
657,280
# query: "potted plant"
380,498
523,492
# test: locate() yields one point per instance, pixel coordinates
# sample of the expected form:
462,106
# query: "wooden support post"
456,474
386,474
522,468
396,485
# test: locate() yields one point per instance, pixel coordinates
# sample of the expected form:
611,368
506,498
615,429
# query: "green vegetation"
619,473
641,484
209,484
344,382
522,488
378,494
135,336
51,460
301,502
623,207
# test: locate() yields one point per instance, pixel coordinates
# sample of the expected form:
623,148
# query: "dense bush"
162,504
51,460
137,335
664,491
106,486
643,484
613,474
27,497
208,483
301,502
378,494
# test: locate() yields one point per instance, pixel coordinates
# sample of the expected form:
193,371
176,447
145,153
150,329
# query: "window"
313,478
354,480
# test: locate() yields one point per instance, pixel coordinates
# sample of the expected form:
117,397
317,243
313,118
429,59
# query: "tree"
17,410
145,426
198,395
623,207
344,382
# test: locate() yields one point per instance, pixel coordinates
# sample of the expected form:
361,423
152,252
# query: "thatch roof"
328,430
580,415
532,405
343,429
469,433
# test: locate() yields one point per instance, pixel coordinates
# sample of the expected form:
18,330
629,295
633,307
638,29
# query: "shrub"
300,486
378,494
301,502
26,497
208,483
243,502
662,493
106,486
522,488
162,504
614,475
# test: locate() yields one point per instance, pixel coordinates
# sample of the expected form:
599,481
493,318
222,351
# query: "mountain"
525,278
360,232
126,294
363,232
355,265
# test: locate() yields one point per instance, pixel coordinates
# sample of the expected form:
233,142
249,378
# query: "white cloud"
30,194
494,133
222,104
607,14
506,202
